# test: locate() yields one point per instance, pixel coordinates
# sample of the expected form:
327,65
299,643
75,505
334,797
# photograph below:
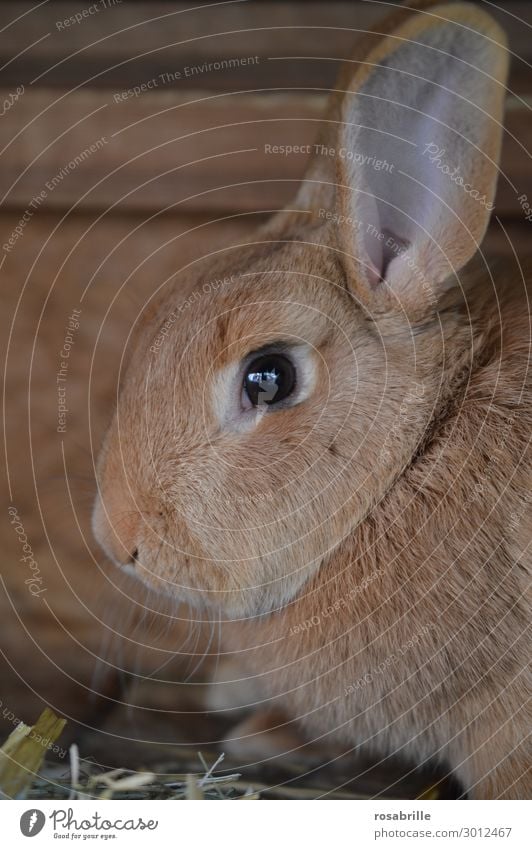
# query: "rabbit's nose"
117,532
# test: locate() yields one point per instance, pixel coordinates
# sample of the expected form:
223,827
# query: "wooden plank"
509,237
198,151
163,134
130,44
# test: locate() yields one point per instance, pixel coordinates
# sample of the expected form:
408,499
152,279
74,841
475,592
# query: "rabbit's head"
264,414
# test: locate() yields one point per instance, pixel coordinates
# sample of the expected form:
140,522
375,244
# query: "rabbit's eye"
269,379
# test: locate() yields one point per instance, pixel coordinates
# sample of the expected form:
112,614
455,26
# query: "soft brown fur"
381,578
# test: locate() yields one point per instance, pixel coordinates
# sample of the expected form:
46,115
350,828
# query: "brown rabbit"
326,444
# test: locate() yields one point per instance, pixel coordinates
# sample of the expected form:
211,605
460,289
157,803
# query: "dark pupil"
269,379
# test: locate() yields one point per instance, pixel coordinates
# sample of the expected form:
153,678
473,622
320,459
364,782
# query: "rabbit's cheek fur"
239,518
244,519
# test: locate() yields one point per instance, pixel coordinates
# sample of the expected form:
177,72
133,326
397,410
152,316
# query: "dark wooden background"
175,146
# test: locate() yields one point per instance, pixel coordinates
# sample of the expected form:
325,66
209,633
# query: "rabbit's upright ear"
416,144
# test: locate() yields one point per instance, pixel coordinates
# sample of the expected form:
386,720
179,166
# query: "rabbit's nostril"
134,556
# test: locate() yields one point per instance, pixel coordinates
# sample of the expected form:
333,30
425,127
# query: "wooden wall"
192,142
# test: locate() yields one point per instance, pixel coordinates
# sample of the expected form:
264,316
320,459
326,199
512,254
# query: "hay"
22,756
